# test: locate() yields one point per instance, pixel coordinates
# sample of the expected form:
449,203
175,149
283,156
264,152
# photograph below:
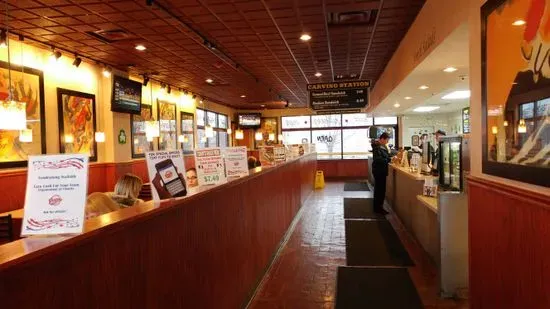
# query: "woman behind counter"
380,161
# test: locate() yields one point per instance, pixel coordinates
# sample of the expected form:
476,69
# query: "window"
187,124
139,140
219,123
337,136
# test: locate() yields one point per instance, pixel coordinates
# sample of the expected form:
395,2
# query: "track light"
3,39
145,80
287,103
186,92
106,72
194,96
169,89
77,61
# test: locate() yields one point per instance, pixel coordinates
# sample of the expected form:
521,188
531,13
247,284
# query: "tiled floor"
304,274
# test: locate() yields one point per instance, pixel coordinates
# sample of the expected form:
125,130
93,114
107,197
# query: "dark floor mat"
376,288
356,186
374,243
360,208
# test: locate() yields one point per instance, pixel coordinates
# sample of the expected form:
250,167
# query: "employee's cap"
441,132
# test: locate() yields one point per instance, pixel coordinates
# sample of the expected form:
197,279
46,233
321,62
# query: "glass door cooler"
450,163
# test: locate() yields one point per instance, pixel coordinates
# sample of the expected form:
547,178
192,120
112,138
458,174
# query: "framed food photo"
76,122
516,90
268,126
167,120
140,145
27,86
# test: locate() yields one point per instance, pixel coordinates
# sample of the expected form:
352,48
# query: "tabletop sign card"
339,95
267,155
55,198
279,153
430,188
166,171
236,163
210,166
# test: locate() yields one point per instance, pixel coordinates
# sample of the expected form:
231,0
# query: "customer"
127,190
253,162
381,159
99,203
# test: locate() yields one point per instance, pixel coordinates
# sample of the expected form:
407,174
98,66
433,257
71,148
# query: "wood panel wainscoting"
509,234
102,178
208,250
344,169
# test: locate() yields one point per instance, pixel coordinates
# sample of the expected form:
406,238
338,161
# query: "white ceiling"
453,51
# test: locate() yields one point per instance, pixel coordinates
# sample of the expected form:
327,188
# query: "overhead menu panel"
339,95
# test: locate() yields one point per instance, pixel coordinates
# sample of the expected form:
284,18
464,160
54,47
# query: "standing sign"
210,166
279,154
56,194
339,95
267,155
236,163
166,170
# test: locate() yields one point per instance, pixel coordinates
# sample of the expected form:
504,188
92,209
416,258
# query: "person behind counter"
381,159
127,190
435,160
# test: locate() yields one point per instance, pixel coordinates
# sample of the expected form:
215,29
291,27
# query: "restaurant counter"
207,250
417,213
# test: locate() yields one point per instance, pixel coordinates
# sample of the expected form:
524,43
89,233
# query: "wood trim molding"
536,198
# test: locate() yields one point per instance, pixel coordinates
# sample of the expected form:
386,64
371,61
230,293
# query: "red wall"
343,169
509,231
103,177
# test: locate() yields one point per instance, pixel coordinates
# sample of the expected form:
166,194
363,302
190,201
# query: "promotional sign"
56,194
166,170
339,95
210,166
267,155
236,163
279,154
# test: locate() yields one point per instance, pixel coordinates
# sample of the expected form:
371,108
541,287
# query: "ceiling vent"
111,36
352,18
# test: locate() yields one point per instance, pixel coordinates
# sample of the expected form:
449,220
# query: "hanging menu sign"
339,95
466,120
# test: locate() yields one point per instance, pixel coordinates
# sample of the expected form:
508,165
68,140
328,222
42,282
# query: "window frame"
215,127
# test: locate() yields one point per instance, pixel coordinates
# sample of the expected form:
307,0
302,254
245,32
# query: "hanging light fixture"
152,129
149,138
209,131
181,139
13,114
259,136
3,39
522,128
69,138
100,137
281,138
25,136
505,123
494,129
229,131
272,137
239,134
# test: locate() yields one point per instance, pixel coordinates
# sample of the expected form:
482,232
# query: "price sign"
210,166
339,95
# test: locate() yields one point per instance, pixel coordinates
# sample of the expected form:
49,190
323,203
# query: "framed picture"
27,85
166,113
268,126
187,129
516,90
76,111
140,145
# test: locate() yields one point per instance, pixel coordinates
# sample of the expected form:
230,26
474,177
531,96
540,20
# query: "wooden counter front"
208,250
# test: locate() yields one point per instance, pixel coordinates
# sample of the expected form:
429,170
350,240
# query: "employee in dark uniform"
435,160
380,161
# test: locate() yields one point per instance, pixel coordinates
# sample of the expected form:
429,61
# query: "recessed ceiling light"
262,105
408,98
425,109
141,47
450,69
209,80
305,37
318,74
457,95
243,96
396,105
423,87
519,22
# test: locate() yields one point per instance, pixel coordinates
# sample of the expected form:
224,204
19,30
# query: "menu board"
126,96
340,95
210,166
466,120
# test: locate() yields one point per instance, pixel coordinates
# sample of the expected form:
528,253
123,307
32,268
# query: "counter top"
415,176
430,202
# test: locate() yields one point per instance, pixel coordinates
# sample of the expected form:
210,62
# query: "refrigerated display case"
450,163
